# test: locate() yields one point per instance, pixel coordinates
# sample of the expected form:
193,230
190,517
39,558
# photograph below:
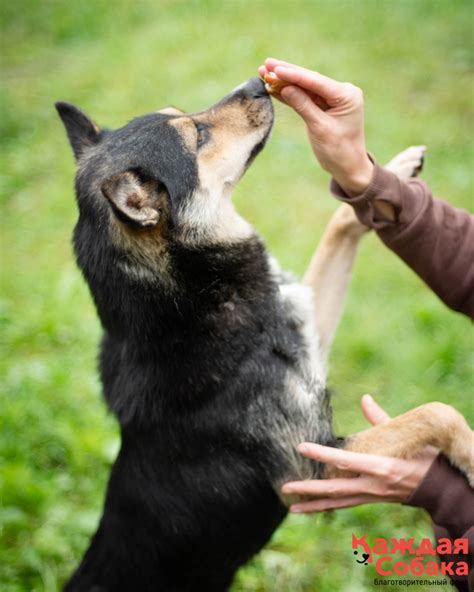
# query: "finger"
332,504
272,63
262,70
373,413
329,89
333,488
345,460
320,102
299,100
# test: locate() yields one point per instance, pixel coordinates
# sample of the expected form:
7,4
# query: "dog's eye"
202,134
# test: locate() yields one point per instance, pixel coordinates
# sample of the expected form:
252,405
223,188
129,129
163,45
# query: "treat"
273,84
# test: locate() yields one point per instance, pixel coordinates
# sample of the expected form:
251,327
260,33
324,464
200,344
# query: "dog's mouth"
260,114
240,125
258,147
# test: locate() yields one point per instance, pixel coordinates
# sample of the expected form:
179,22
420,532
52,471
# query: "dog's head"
169,175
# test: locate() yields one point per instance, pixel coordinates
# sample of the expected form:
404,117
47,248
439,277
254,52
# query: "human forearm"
354,182
435,239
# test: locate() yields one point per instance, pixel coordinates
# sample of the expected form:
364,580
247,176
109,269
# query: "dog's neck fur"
143,305
223,297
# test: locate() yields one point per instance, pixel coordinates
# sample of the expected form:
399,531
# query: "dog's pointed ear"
134,201
81,130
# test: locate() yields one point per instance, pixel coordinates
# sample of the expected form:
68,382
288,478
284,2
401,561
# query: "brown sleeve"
447,496
435,239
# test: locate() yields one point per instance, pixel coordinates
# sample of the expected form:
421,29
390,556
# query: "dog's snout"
256,88
253,89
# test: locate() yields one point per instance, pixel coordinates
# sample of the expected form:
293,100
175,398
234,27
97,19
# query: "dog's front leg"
407,435
330,270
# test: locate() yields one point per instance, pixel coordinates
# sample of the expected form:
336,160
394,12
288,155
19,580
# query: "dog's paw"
408,163
345,222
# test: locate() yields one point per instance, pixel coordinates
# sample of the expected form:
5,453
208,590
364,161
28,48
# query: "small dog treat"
273,84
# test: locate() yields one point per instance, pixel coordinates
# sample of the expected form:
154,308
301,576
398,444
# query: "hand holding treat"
273,84
334,115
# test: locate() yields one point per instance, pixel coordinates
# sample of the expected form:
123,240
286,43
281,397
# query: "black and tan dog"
212,359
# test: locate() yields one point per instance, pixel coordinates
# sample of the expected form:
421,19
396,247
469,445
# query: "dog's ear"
81,130
135,201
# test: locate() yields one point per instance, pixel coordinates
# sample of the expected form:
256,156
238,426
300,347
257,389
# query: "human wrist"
357,180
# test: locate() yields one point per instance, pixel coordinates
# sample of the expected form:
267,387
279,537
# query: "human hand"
334,115
380,479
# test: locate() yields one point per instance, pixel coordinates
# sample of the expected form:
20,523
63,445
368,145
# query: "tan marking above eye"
171,111
187,130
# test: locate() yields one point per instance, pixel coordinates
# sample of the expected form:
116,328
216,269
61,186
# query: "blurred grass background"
413,58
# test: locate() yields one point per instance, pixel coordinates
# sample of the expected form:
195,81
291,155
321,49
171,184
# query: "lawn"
397,340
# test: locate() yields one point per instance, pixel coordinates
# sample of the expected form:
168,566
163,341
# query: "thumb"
373,412
299,100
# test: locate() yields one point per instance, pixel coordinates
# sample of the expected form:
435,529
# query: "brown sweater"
433,238
437,241
446,495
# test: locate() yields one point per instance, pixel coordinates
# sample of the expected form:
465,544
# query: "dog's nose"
252,89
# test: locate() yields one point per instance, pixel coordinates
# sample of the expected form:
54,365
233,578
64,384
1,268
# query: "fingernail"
367,396
287,489
295,509
303,448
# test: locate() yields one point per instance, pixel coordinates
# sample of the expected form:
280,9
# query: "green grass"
397,341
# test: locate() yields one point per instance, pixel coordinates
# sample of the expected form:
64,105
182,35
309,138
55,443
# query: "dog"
213,360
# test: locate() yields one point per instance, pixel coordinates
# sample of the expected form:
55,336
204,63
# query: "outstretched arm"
433,238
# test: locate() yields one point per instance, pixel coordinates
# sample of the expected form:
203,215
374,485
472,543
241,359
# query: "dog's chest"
299,310
302,412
